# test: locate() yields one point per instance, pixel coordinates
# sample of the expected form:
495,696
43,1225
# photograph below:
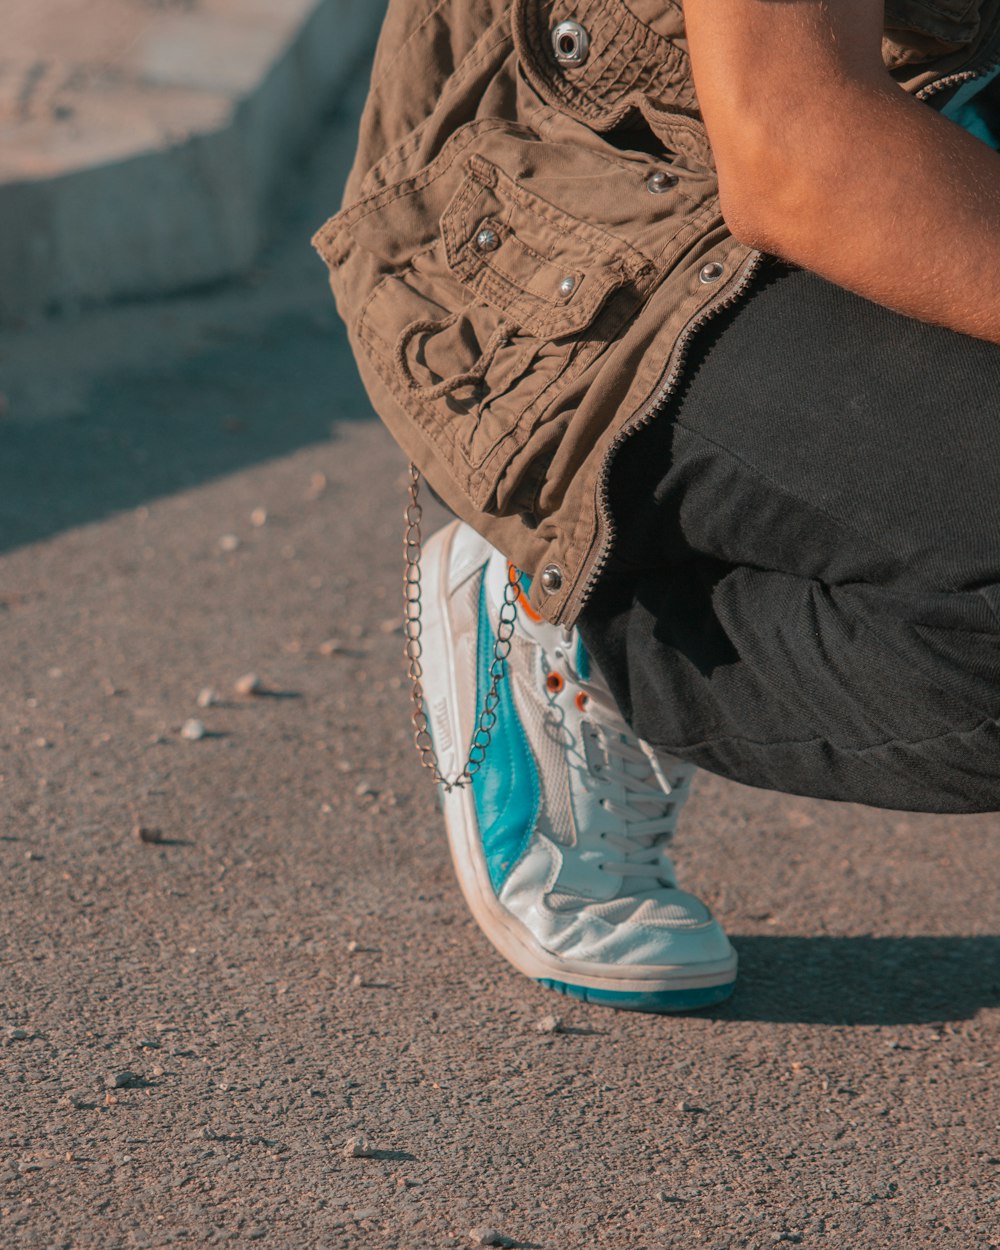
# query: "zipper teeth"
965,75
664,391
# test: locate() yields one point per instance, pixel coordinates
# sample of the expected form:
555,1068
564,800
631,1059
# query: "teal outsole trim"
661,1002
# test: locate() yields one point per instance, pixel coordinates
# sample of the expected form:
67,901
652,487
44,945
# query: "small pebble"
207,697
488,1237
332,646
193,730
686,1105
123,1080
157,1070
145,833
358,981
248,684
317,485
258,517
353,946
17,1035
358,1147
549,1024
365,790
229,542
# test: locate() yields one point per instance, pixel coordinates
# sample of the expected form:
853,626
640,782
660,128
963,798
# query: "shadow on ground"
864,980
150,434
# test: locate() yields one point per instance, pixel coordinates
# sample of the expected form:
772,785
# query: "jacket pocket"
509,296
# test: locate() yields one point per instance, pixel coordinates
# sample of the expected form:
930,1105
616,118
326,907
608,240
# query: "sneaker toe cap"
670,929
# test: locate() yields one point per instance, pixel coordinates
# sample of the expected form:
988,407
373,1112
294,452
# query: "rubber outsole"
663,1002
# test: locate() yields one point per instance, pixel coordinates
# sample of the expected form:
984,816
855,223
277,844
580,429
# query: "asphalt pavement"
228,950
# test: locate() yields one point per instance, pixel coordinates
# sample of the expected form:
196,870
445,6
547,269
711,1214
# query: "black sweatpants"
805,589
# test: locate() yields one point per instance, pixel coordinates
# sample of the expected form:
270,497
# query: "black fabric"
805,589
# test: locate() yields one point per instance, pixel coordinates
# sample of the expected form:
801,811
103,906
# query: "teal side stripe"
506,790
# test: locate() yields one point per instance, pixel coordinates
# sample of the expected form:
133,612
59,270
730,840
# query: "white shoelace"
648,809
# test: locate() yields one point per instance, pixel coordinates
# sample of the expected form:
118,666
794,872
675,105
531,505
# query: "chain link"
481,739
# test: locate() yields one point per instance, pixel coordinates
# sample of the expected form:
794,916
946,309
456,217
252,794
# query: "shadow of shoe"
863,980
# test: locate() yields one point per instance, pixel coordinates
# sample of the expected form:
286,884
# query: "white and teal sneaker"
560,841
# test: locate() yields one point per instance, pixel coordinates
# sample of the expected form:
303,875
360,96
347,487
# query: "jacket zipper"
675,367
958,78
972,71
666,388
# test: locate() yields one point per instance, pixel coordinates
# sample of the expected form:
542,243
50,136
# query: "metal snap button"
659,182
570,43
552,579
486,240
711,272
567,286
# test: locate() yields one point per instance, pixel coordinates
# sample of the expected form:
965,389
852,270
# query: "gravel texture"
183,1056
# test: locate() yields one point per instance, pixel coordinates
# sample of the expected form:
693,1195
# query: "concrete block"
153,169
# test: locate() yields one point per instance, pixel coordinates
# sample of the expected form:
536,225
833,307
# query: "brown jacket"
530,236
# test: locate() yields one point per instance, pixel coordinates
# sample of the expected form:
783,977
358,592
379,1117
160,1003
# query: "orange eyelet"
582,701
554,682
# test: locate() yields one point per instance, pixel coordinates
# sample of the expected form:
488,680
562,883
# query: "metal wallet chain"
481,739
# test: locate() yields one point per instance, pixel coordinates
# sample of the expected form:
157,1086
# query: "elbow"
772,186
756,208
748,222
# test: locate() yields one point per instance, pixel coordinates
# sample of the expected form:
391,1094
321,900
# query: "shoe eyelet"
582,701
555,682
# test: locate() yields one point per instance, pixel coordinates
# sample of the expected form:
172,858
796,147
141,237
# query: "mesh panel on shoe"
467,616
654,912
550,755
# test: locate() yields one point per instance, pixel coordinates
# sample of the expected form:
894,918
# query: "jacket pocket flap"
547,271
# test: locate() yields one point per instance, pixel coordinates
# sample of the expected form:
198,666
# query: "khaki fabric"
526,247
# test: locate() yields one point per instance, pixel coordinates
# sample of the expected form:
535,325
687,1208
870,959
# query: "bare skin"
825,161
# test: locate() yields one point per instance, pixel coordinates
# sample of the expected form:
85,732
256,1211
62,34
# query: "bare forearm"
899,205
824,160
